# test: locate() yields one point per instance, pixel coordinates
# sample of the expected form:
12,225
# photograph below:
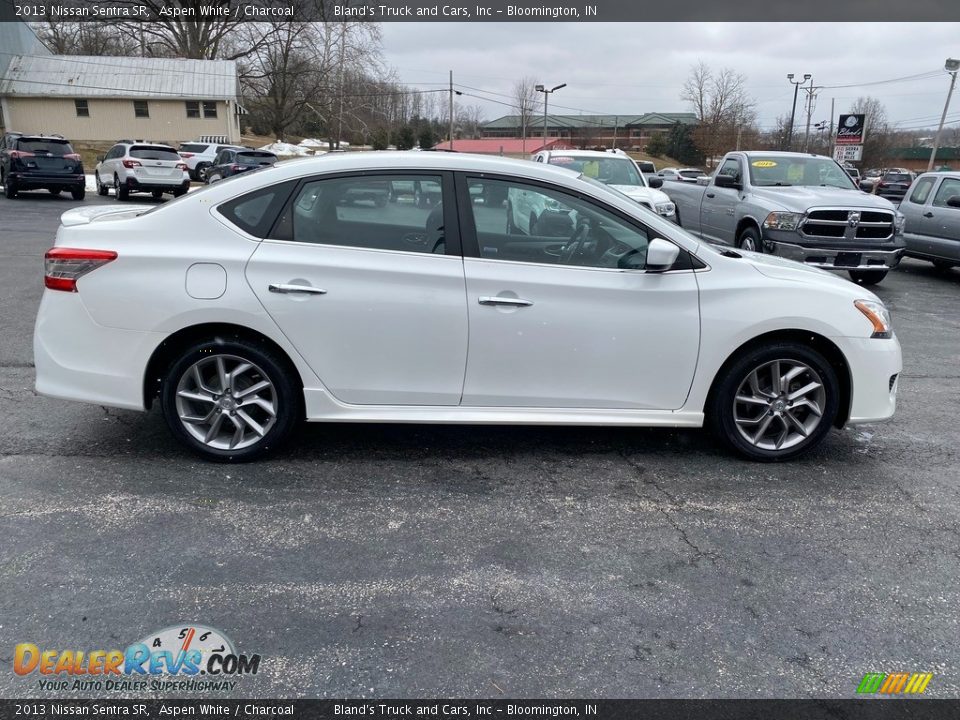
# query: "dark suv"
40,162
233,161
893,184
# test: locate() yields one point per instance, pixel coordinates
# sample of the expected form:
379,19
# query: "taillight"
73,156
186,155
20,154
236,168
181,166
62,267
131,163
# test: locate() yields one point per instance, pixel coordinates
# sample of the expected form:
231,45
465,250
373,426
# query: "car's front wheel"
102,189
867,277
775,402
9,189
749,240
230,400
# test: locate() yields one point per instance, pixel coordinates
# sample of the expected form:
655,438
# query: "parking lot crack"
672,506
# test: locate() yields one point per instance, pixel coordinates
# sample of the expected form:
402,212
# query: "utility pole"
811,96
616,122
793,113
343,50
830,138
951,66
523,125
451,109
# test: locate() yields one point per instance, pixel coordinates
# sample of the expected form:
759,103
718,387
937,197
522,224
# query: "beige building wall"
111,120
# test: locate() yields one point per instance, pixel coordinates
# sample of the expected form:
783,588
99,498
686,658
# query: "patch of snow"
282,148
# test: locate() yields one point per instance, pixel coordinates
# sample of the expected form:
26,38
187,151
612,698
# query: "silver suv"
140,166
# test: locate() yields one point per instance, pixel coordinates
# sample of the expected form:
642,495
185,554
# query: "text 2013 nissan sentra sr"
297,292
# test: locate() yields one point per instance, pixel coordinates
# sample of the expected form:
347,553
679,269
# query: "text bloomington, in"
477,11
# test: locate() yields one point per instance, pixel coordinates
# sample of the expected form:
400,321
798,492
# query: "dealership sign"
851,130
848,153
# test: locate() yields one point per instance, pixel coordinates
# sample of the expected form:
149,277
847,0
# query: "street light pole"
951,66
811,96
793,113
546,97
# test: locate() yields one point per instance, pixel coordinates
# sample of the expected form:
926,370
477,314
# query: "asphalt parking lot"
398,561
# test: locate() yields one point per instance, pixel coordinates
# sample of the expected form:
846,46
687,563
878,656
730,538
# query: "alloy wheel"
779,404
226,402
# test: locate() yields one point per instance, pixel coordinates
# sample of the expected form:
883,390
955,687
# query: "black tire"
676,214
749,239
942,265
78,193
156,194
120,191
54,191
211,179
286,394
9,189
179,191
201,171
102,190
722,408
867,277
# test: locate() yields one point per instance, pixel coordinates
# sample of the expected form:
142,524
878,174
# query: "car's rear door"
564,324
371,294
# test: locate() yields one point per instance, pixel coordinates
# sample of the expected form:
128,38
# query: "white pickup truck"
799,206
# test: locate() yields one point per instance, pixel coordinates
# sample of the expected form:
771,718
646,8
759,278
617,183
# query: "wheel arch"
744,223
818,342
167,352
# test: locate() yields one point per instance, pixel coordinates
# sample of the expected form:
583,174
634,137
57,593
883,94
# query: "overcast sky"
630,68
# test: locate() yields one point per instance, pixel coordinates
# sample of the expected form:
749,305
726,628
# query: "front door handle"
508,301
928,214
286,288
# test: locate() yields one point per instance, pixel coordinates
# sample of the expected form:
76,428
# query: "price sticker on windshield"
763,163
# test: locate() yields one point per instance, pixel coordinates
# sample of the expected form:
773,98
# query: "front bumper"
837,258
875,367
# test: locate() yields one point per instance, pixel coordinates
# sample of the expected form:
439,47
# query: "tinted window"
56,148
647,167
140,109
255,158
897,178
921,191
256,211
148,152
82,107
192,147
948,189
545,226
401,213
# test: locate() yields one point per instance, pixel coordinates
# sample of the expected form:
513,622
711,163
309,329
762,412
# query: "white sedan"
292,294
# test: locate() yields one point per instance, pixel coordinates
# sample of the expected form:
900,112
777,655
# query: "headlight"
878,315
666,209
899,222
782,221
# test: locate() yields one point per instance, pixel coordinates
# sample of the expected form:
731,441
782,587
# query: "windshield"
784,170
691,173
57,148
897,177
608,170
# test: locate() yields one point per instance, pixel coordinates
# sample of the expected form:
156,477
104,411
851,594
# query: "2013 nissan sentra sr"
297,293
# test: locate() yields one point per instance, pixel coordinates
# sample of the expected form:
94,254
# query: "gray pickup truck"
799,206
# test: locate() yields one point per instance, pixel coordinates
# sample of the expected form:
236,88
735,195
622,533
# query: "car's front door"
718,211
370,293
558,321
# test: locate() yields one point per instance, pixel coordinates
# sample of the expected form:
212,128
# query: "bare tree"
85,38
527,101
880,138
725,110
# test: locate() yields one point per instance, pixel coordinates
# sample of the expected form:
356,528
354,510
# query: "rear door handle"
928,214
710,195
286,288
508,301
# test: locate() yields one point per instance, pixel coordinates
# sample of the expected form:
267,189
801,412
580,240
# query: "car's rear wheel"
211,179
54,191
78,193
775,402
121,191
102,189
749,239
9,189
230,400
156,194
867,277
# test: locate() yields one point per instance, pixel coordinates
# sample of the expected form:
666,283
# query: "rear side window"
148,152
256,158
192,148
56,148
921,191
647,167
255,212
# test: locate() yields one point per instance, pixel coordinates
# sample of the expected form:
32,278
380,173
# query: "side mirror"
100,158
655,182
954,201
661,255
726,181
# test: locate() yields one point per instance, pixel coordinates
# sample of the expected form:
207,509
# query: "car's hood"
644,194
800,199
782,269
89,214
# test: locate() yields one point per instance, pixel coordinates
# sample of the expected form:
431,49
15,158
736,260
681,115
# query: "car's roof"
779,153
